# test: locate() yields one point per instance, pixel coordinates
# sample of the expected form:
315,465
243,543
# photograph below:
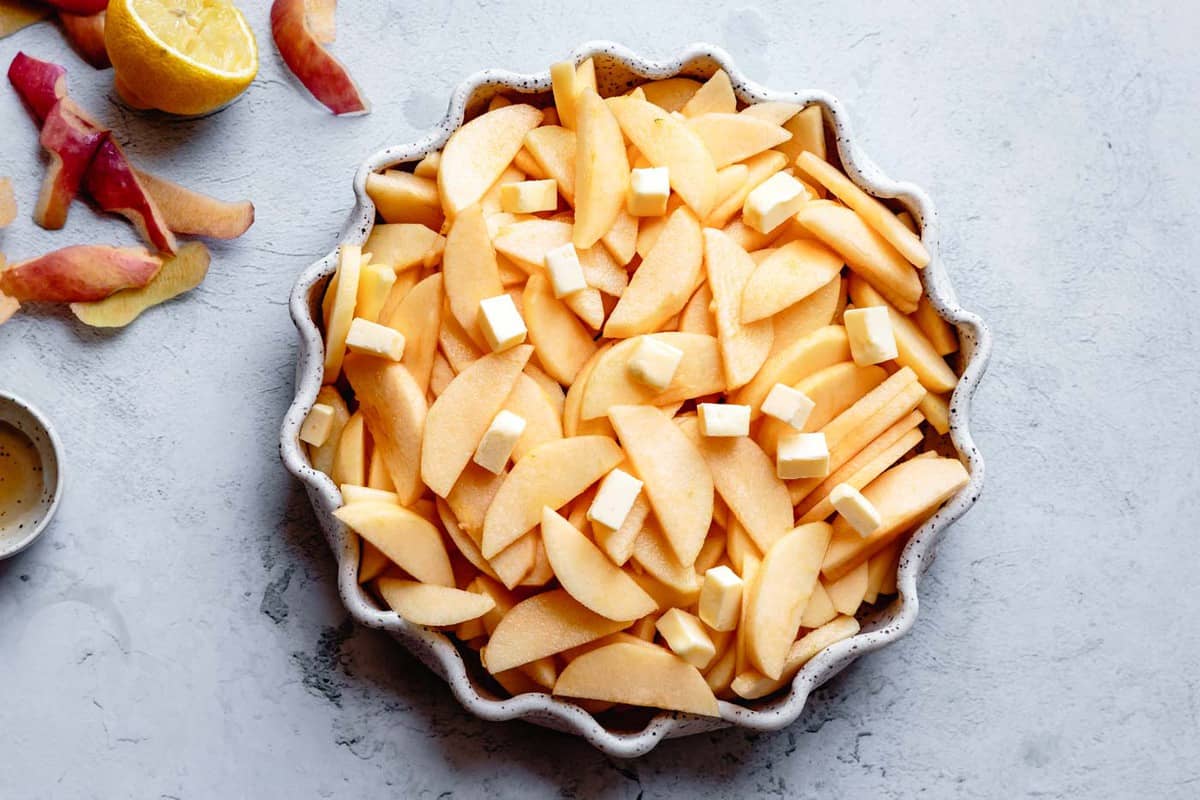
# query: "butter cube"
528,197
566,274
501,322
788,405
654,362
498,441
375,339
858,510
870,333
317,425
649,190
802,455
724,419
774,200
614,499
721,599
687,637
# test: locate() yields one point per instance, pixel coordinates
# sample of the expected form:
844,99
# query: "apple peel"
85,32
41,84
114,185
181,273
80,273
302,50
194,213
72,142
18,14
8,203
85,7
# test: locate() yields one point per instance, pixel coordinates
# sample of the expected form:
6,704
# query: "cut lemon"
180,56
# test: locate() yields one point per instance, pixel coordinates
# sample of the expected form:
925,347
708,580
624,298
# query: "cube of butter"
649,190
375,339
788,405
528,197
654,362
501,323
498,441
687,637
802,455
774,200
317,425
870,333
614,499
721,599
566,274
858,510
724,419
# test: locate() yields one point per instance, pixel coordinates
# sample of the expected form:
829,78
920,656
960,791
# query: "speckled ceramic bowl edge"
435,649
33,423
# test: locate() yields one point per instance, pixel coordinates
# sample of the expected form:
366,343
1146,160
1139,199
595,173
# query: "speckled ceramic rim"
435,649
34,424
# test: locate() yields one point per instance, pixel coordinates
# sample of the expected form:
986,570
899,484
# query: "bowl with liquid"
30,476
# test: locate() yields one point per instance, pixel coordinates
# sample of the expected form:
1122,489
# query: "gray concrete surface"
176,634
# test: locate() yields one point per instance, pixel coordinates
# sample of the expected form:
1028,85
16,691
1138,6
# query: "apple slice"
541,626
744,347
654,555
85,32
341,310
610,382
403,245
800,319
776,112
587,574
478,152
393,406
115,187
914,348
731,138
350,458
190,212
697,315
677,479
72,142
542,423
670,94
667,142
551,475
759,168
8,203
808,134
301,49
401,197
553,148
906,493
619,544
639,674
787,276
819,610
563,343
463,542
18,14
40,84
781,590
527,241
832,390
716,96
462,413
470,271
601,169
404,536
418,316
456,345
322,457
848,592
822,348
80,273
180,273
425,604
664,282
753,685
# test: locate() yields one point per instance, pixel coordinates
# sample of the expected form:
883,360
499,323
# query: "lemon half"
181,56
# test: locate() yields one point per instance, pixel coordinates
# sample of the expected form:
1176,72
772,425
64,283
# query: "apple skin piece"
301,49
79,6
72,143
189,212
8,203
113,184
79,274
85,32
39,83
181,273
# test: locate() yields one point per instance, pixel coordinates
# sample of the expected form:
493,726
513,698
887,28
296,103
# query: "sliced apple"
819,349
664,282
456,345
667,142
459,417
563,343
113,184
469,269
302,50
819,610
906,493
776,112
85,32
677,479
402,245
404,536
610,382
697,315
914,348
8,203
341,312
350,458
619,544
190,212
848,592
527,241
394,408
731,138
180,273
427,604
471,496
714,97
865,251
322,457
939,332
587,574
744,347
541,626
670,94
624,672
759,168
72,143
401,197
542,423
753,685
808,134
40,84
654,555
601,169
418,316
787,276
833,390
800,319
550,475
553,148
479,151
782,587
79,274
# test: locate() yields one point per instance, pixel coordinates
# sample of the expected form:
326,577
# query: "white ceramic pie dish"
616,66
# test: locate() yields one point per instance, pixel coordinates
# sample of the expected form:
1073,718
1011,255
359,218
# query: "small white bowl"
28,420
616,68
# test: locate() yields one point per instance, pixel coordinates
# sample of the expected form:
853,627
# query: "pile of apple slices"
106,286
637,396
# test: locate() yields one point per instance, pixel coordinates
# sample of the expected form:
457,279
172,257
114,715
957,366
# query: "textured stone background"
176,634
